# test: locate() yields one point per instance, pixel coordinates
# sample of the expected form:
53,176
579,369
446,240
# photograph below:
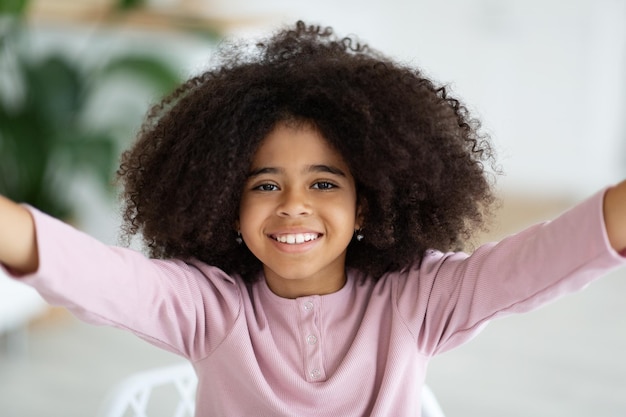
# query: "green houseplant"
46,138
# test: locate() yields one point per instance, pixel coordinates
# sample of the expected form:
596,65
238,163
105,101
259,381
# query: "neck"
302,288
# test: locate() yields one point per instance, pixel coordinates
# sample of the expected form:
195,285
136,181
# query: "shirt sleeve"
447,298
184,307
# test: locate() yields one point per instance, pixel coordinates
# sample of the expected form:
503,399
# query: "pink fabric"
362,351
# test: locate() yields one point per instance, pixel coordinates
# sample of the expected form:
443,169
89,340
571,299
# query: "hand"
615,216
18,243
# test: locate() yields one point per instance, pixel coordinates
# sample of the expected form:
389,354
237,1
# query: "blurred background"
547,78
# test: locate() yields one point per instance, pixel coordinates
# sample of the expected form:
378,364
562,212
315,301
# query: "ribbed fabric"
362,351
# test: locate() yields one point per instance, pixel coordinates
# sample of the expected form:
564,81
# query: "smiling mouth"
295,238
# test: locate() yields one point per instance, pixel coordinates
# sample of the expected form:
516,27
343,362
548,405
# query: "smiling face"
299,211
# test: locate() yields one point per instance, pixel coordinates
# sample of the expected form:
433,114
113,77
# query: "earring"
238,239
358,234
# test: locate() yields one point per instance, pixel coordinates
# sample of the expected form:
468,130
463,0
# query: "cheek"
344,214
251,214
245,218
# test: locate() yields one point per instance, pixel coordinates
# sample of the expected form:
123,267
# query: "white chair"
167,391
430,405
137,396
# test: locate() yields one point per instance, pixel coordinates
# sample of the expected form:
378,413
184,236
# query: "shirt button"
311,339
308,306
316,374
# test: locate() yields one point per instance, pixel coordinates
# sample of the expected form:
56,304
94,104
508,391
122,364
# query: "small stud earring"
238,239
359,235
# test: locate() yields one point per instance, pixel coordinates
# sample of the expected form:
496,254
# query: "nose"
294,203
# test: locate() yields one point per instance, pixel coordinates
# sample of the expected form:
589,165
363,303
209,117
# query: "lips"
295,238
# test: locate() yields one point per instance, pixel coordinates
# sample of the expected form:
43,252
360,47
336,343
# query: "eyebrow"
309,168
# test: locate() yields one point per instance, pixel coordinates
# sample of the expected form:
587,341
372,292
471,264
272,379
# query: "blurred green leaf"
149,68
129,4
45,139
95,151
54,89
13,6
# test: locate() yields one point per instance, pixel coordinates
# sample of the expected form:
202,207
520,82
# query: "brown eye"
266,187
324,185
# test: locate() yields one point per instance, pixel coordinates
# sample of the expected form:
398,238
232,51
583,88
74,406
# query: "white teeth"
296,238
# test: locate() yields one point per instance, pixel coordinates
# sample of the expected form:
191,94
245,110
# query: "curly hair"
416,154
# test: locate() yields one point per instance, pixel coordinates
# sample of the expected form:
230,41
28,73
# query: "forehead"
288,145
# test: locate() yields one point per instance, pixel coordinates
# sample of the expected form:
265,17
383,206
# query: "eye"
266,187
324,185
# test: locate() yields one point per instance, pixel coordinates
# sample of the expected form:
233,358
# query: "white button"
308,306
316,374
311,339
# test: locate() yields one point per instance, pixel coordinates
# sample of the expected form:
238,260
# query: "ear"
361,209
237,225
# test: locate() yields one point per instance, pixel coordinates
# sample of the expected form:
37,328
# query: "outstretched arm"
18,244
615,216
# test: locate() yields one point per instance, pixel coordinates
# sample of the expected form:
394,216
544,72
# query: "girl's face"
299,211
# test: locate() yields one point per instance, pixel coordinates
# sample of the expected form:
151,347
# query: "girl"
302,204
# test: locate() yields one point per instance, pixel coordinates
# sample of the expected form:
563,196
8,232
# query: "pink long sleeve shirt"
362,351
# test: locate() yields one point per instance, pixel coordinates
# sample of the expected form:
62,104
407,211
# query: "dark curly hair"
415,152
